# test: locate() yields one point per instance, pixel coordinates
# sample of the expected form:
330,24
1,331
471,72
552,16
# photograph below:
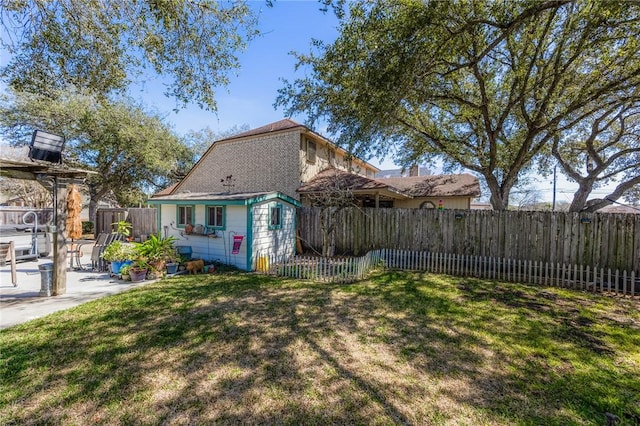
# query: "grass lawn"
399,348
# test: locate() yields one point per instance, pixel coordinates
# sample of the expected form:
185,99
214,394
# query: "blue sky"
287,26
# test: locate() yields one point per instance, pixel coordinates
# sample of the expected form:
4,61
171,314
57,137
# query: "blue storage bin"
185,251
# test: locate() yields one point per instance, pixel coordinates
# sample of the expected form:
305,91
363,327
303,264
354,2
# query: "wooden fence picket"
350,269
600,240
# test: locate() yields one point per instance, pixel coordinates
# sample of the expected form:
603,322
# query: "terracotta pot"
138,275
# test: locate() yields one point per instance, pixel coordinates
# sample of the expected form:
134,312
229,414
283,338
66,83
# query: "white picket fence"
350,269
324,269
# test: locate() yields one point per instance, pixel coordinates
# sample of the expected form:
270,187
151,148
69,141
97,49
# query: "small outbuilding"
239,229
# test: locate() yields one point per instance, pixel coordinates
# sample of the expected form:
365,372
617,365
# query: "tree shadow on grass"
401,348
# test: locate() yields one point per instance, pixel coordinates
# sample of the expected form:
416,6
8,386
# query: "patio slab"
24,303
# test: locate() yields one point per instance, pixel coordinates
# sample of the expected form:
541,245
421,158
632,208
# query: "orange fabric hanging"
74,208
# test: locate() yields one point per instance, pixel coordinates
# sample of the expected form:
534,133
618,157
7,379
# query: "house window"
185,216
311,151
215,217
275,216
332,157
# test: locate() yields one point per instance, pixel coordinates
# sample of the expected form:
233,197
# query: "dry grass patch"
400,348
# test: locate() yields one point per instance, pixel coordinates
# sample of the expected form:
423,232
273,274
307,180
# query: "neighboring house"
619,208
245,186
276,157
431,191
249,185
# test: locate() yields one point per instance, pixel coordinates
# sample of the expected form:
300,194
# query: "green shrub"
88,227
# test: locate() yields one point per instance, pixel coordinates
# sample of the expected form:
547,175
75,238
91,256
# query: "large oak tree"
131,149
487,86
105,45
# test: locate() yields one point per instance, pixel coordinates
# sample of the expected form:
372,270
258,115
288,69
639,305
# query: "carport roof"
32,170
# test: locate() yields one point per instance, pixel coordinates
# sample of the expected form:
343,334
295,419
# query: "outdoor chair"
103,240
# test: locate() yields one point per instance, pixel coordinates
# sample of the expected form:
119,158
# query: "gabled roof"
278,126
166,191
341,180
286,124
464,185
620,209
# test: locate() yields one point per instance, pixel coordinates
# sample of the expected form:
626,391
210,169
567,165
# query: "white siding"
273,242
211,248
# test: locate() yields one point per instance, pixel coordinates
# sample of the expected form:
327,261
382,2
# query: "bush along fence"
350,269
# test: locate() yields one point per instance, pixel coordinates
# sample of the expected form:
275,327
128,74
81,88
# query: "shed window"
275,216
185,216
215,217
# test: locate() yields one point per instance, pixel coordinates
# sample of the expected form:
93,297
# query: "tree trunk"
327,227
580,197
499,194
95,195
93,208
590,206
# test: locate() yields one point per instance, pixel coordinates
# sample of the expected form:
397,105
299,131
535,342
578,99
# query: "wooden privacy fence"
350,269
144,221
597,240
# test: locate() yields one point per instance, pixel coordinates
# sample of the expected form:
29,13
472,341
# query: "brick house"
250,184
276,157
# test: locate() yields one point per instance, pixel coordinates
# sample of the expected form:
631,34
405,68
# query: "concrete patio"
23,303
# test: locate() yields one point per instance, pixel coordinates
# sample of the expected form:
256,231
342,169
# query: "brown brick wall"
260,163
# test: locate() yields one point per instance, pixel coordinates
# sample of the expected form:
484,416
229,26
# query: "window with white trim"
215,217
185,216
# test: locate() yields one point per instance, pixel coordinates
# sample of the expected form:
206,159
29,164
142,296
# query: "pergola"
55,177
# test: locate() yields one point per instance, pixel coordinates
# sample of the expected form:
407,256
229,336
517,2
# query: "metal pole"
553,207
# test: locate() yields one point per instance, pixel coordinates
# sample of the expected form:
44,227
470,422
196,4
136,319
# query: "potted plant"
138,270
158,250
125,272
123,228
118,253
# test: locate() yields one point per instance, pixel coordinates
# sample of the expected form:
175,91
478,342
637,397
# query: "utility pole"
553,206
